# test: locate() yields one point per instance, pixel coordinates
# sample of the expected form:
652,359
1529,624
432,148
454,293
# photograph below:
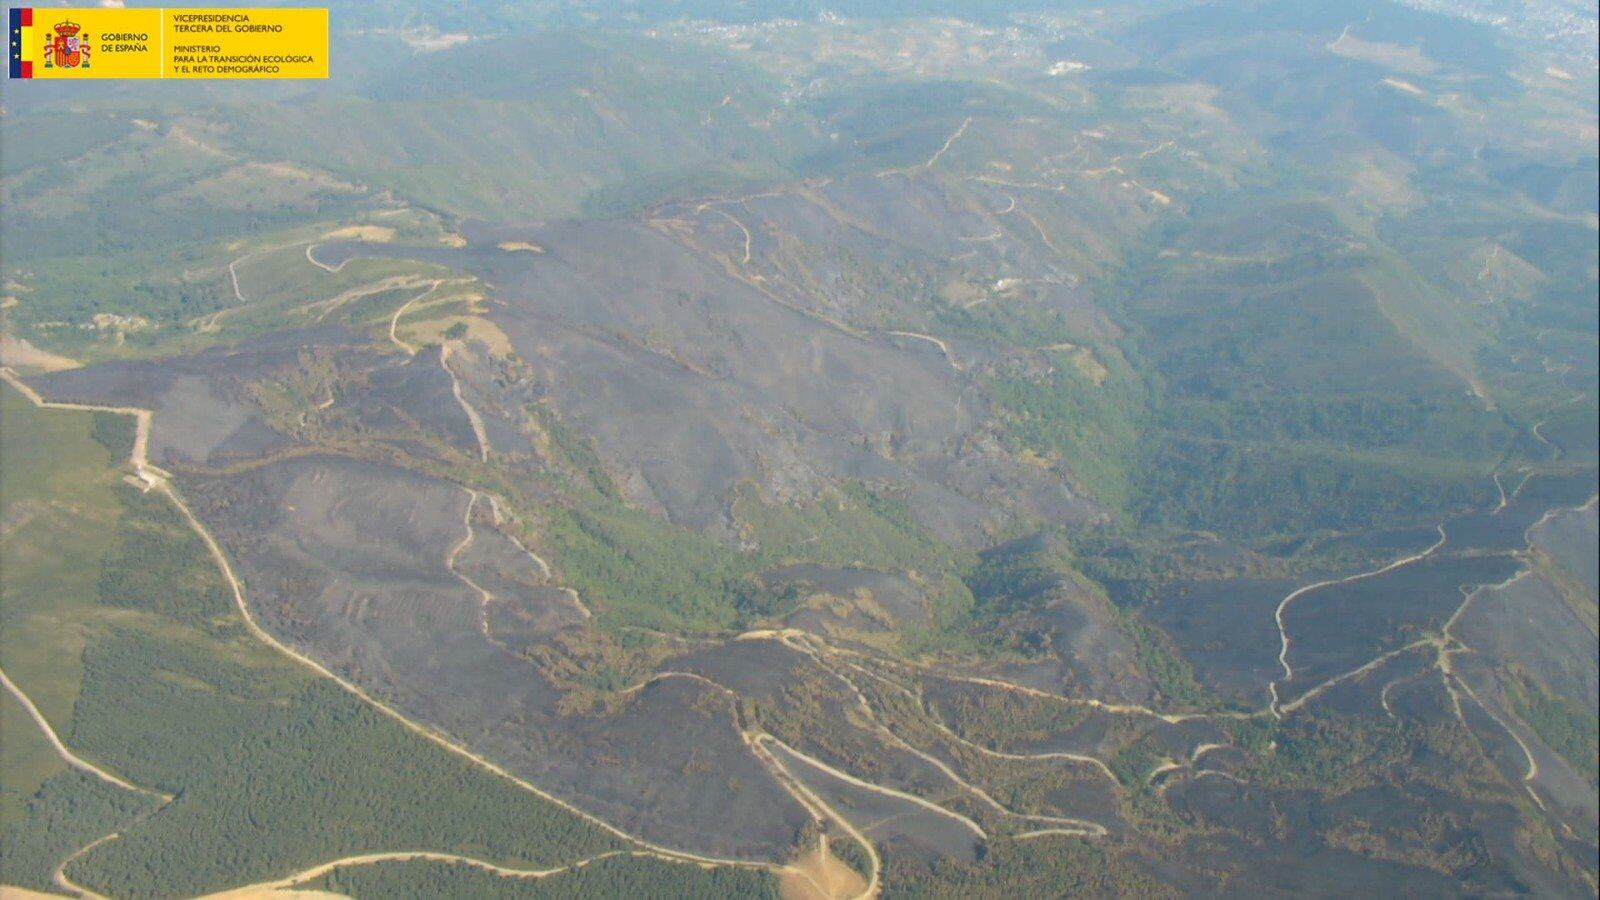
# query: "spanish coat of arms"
66,49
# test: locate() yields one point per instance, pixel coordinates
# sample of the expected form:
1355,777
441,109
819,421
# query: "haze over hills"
727,449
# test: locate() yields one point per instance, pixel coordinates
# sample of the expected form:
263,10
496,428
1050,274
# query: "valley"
822,457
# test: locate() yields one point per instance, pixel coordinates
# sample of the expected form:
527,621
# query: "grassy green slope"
26,758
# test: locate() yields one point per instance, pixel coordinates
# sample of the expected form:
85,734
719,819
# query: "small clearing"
18,353
519,246
377,234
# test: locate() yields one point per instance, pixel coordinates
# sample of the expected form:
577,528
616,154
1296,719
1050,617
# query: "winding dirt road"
157,479
760,743
66,755
1283,605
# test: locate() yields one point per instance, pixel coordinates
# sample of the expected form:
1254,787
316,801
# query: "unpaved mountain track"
950,141
1283,605
394,322
322,265
66,755
479,432
59,875
865,785
233,276
937,342
369,859
159,480
1077,826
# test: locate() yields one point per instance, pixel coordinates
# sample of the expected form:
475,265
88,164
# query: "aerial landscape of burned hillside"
928,450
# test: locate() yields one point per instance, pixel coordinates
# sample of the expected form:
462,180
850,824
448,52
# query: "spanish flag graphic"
21,20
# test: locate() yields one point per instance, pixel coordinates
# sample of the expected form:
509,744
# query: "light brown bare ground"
12,892
17,352
271,894
524,246
378,234
819,875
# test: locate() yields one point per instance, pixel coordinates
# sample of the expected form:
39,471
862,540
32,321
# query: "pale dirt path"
821,809
1527,475
329,305
743,230
277,894
1449,644
368,859
948,143
1446,645
1122,708
944,348
666,227
754,740
1043,235
423,731
1000,684
233,270
1538,425
484,597
939,725
1440,642
1283,605
158,479
1391,684
233,276
1080,825
545,572
1322,688
1042,756
149,474
12,892
877,788
394,320
150,477
479,433
322,265
67,756
285,887
59,876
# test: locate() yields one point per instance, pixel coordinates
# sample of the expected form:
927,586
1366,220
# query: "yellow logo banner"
168,43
